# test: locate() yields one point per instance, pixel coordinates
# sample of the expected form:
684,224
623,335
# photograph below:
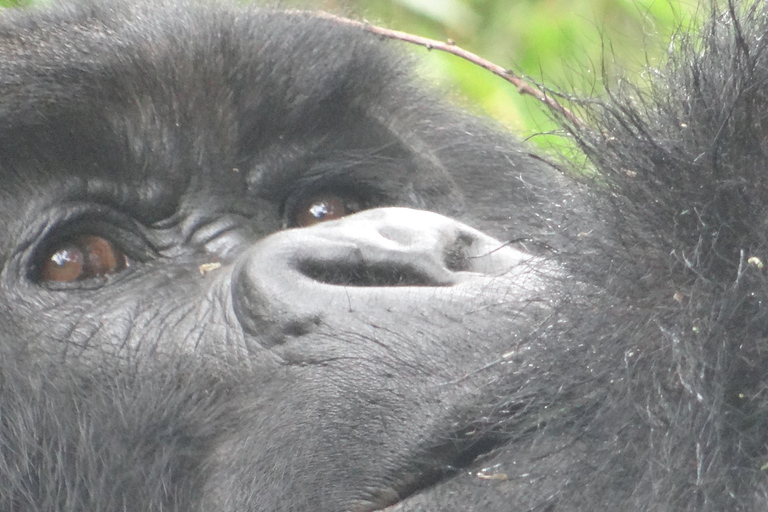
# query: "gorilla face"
221,289
231,279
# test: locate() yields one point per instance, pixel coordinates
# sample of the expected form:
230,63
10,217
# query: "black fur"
663,404
609,355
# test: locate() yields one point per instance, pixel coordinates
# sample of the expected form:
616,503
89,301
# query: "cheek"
157,309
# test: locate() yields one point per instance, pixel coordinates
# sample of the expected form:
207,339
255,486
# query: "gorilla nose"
287,281
395,247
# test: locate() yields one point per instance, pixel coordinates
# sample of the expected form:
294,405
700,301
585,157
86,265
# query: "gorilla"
232,279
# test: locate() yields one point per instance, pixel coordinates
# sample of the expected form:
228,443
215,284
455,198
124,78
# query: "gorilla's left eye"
82,257
321,207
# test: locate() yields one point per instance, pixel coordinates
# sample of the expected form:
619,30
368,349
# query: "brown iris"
82,257
320,208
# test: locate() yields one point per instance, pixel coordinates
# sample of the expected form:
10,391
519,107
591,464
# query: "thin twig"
522,86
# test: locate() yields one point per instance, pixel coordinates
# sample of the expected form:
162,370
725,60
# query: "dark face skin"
221,288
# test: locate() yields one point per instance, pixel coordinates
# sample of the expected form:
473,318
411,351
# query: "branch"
522,86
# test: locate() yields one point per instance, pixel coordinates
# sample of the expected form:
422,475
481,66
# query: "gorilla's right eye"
322,207
82,257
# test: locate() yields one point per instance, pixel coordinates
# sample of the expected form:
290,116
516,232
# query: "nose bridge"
393,234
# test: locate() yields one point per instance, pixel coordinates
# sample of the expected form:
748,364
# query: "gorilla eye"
80,258
322,207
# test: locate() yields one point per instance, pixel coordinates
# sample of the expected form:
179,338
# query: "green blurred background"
569,44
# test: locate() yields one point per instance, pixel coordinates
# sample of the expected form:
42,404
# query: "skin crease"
478,330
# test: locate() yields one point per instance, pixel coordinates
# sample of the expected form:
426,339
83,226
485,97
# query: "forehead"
172,87
135,105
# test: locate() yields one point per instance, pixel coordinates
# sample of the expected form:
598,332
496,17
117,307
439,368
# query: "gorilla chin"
251,263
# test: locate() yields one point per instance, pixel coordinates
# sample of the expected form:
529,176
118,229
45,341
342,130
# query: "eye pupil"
64,265
81,258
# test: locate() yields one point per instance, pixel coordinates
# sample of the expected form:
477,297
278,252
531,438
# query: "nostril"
456,255
341,273
394,247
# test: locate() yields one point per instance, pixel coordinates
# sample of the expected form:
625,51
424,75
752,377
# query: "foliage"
569,44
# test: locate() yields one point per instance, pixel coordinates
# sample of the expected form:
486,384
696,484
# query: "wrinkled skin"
178,333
